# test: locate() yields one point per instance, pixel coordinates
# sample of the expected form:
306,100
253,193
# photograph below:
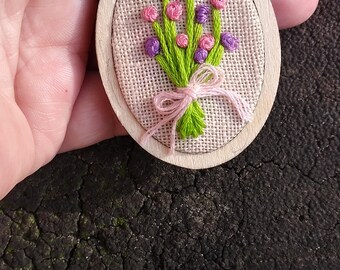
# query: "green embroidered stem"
166,67
197,34
180,57
216,25
169,31
216,54
184,78
198,29
177,56
162,40
190,32
192,122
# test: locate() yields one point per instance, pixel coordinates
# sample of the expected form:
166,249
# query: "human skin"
51,98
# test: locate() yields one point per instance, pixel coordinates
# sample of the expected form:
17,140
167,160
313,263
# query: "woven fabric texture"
141,78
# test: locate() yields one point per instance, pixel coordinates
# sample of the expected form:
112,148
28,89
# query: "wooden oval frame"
134,128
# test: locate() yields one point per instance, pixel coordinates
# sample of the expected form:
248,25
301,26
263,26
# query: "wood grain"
192,161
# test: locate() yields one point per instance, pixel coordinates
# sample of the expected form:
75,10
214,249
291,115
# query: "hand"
50,101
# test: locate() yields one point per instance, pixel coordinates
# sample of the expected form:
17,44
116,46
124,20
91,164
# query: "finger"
290,13
59,23
11,14
92,118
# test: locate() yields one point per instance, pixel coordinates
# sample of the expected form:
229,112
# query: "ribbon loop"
205,82
167,102
207,76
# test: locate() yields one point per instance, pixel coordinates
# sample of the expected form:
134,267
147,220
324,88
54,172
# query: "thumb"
290,13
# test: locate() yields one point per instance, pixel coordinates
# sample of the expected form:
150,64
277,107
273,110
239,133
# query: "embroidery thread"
205,82
189,60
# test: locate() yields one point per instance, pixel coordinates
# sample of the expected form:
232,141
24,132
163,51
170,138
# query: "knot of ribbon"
205,82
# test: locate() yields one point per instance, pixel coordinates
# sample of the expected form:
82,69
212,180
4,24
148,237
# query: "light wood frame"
134,128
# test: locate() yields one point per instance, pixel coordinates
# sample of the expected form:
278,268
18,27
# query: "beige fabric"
141,78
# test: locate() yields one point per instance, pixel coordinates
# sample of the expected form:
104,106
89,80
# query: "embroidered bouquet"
190,61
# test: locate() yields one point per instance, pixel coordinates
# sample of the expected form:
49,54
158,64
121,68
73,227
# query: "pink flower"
206,42
150,14
182,40
218,4
174,10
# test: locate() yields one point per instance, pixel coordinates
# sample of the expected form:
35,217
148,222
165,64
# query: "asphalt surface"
276,206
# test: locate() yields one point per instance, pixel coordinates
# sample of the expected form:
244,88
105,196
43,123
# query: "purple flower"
200,55
152,46
202,13
229,42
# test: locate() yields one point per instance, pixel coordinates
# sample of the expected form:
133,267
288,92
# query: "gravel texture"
276,206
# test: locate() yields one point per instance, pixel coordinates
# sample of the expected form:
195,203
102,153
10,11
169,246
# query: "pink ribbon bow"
205,82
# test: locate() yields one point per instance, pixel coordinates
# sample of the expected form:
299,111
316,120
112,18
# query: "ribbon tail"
173,130
242,106
175,117
151,131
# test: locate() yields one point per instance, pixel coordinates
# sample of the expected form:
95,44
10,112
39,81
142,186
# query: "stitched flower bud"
182,40
218,4
149,14
202,13
229,42
152,46
200,55
206,42
174,10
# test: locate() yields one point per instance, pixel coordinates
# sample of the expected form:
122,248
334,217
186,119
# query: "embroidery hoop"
134,128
